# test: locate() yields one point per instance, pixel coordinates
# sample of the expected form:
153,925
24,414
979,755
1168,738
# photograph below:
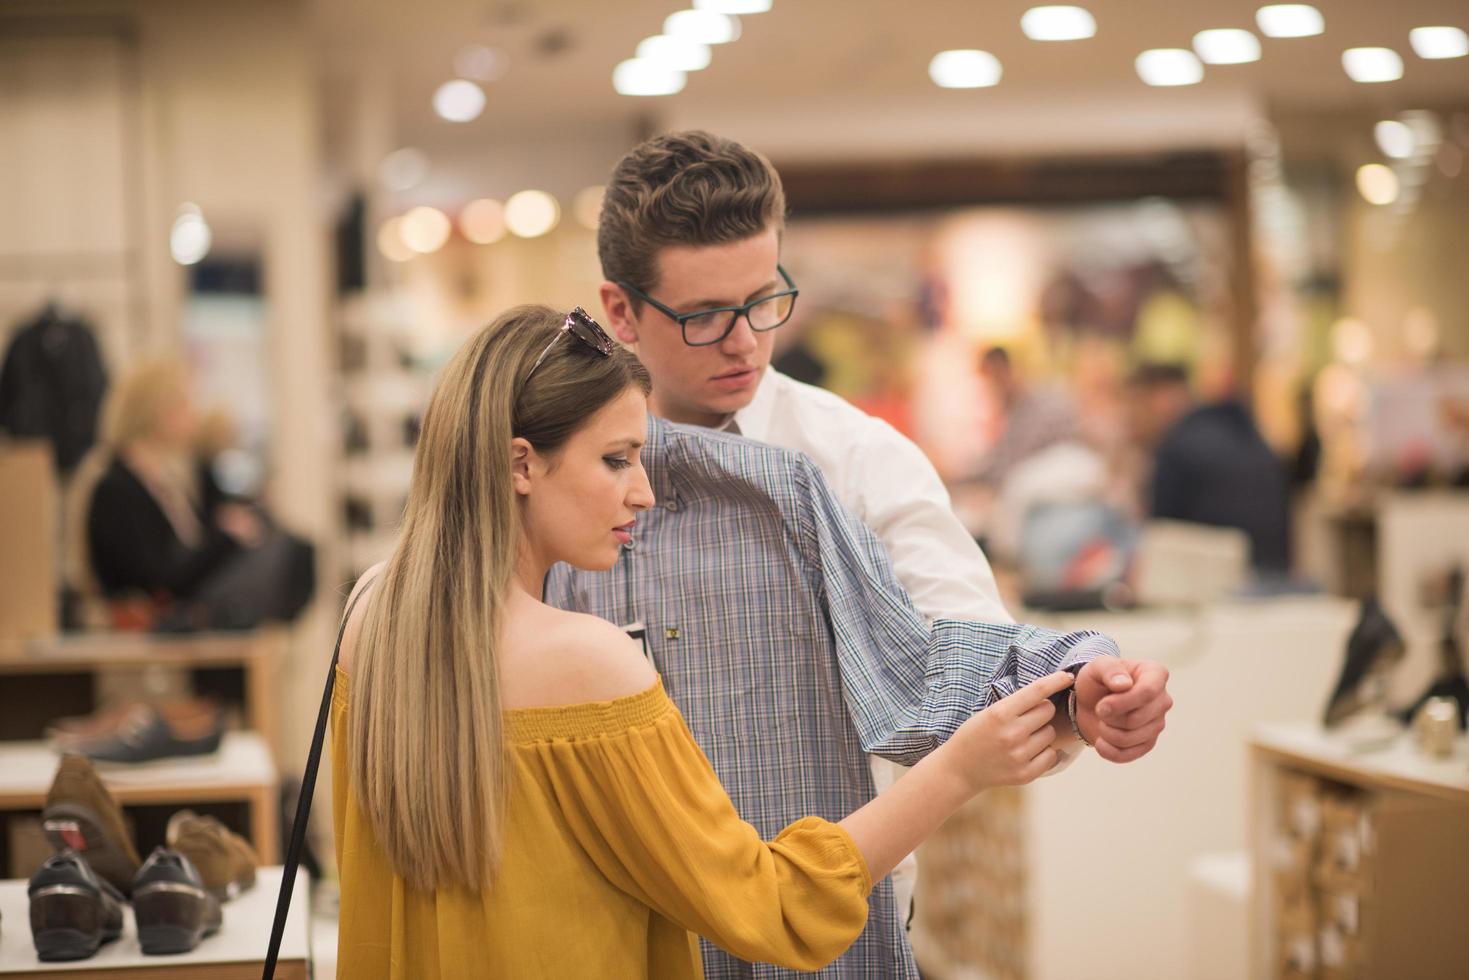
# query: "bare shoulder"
359,610
561,657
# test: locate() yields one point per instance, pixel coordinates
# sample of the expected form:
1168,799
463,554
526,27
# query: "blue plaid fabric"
785,639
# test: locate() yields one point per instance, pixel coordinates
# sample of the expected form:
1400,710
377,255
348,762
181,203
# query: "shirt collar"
755,418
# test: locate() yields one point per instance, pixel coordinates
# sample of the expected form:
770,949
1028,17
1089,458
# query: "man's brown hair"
689,188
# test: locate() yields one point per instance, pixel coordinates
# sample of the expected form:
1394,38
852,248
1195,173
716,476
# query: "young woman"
515,794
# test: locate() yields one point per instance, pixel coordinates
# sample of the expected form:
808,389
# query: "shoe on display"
150,733
171,906
82,815
224,860
73,912
1374,648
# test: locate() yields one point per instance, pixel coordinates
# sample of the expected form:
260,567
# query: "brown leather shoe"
225,861
81,814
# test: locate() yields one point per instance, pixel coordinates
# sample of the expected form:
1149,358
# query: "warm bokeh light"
1166,67
425,229
530,214
459,101
965,68
483,221
390,241
645,77
1377,184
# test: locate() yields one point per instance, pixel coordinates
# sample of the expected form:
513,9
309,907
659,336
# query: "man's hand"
1120,706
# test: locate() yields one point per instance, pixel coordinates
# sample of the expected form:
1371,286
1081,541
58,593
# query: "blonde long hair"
427,752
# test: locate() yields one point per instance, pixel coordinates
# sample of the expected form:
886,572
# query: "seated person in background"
145,532
1210,465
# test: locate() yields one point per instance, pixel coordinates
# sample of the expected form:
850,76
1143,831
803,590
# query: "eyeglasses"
705,327
583,328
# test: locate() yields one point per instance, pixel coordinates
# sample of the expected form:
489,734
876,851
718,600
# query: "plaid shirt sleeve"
908,686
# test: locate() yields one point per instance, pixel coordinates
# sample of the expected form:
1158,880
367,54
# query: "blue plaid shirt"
785,639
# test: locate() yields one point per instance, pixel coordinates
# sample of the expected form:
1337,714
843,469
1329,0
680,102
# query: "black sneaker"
73,912
172,907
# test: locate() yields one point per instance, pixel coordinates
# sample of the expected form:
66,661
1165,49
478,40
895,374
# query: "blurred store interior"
1035,257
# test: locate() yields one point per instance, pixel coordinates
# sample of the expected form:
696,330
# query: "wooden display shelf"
236,952
1413,882
255,653
242,771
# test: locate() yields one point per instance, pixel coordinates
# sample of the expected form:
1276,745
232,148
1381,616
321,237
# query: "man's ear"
618,308
522,460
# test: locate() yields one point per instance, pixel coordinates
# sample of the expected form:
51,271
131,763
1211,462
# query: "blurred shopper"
689,239
149,536
1211,465
1033,418
515,793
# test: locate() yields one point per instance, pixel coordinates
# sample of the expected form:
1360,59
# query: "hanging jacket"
51,385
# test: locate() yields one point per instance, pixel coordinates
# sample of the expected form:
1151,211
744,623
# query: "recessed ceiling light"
1369,65
190,237
1439,42
675,52
459,101
1226,46
1169,66
641,76
1290,20
1377,184
531,214
733,6
1395,139
965,68
1058,23
703,26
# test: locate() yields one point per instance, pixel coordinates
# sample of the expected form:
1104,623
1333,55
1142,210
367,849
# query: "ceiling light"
459,100
390,241
404,168
481,63
1395,139
483,221
190,237
531,214
703,26
1377,184
1369,65
1226,46
1169,66
1290,20
733,6
642,76
587,205
1057,23
1439,42
675,52
964,68
425,229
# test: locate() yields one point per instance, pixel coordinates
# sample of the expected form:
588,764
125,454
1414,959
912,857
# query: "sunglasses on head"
583,328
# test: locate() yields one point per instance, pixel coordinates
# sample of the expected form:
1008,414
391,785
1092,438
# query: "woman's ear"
522,460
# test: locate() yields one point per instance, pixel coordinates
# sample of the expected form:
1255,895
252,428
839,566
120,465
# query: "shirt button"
672,504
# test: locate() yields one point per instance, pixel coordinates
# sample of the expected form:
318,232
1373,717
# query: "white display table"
236,952
241,771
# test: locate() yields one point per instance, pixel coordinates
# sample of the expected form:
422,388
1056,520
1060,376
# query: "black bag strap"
303,805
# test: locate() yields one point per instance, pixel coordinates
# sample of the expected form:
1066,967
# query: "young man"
772,612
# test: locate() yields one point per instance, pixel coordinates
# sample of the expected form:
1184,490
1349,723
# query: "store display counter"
236,952
242,771
1360,857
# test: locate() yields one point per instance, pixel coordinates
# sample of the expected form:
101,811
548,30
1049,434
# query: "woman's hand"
1010,743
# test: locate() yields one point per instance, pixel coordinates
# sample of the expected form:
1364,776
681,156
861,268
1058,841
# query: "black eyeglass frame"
682,319
581,326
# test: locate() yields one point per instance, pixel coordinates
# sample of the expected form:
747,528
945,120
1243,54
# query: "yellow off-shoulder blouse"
620,845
